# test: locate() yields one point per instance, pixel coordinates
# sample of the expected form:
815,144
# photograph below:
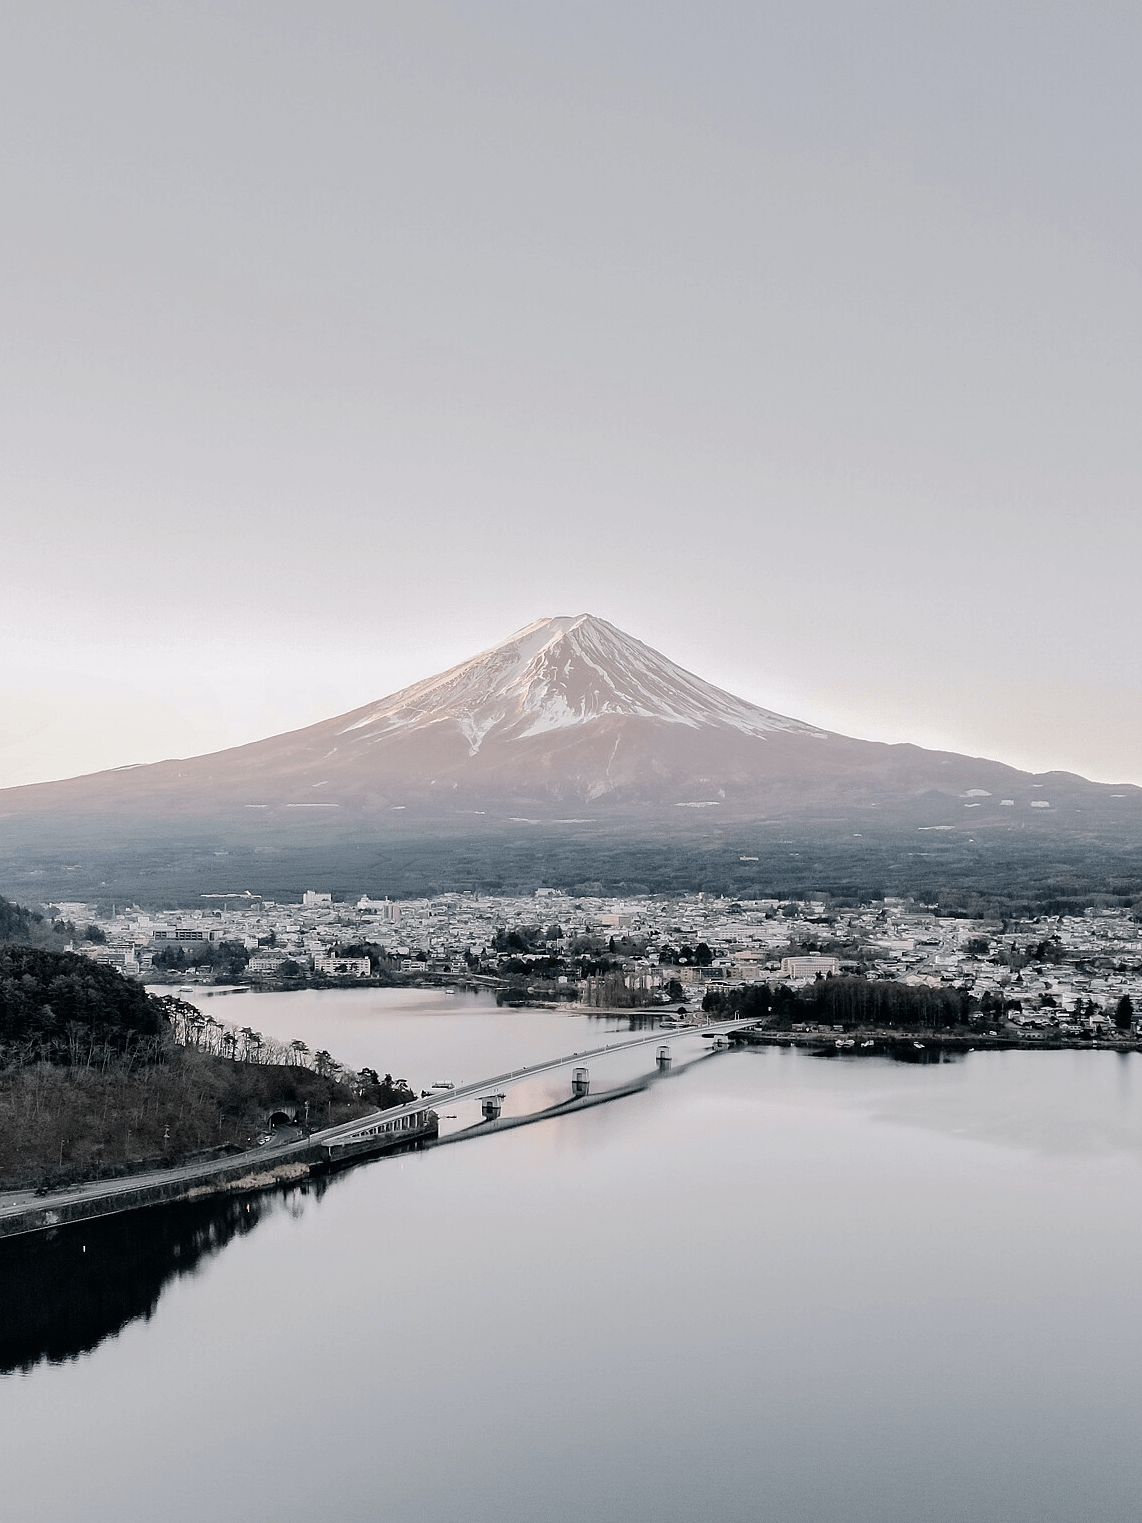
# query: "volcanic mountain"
567,720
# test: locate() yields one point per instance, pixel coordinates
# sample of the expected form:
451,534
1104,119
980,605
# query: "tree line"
844,1001
98,1077
55,1003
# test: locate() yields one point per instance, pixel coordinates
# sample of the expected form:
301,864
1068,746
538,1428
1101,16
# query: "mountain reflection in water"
64,1292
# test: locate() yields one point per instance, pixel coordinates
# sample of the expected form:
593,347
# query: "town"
1072,973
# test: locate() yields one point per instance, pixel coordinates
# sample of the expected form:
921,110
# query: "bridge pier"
491,1106
580,1083
664,1059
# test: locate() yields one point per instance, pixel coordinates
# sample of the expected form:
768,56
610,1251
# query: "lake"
766,1286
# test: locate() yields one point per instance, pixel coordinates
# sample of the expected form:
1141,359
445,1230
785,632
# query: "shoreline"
894,1041
403,1128
24,1212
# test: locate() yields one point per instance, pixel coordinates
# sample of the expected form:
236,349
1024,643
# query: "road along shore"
263,1168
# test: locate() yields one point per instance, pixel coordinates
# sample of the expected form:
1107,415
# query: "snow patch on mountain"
563,672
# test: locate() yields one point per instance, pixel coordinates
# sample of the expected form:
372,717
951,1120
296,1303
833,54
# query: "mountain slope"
566,717
560,673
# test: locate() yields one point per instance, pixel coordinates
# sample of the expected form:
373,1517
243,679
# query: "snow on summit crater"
562,672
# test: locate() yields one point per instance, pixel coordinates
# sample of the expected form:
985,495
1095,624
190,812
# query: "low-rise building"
342,967
272,962
809,966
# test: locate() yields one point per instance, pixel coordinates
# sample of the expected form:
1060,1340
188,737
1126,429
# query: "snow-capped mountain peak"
569,722
559,673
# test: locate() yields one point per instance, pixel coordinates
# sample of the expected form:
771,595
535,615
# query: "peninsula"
99,1079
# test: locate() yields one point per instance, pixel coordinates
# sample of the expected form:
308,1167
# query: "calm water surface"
416,1034
767,1287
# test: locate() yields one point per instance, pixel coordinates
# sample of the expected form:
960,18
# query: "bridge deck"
365,1126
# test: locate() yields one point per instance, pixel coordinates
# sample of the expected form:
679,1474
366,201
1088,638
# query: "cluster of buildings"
306,937
1056,969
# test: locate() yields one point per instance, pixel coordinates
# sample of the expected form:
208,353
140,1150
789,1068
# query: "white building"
382,907
809,967
271,962
343,967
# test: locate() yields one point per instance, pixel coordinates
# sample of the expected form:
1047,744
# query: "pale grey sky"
802,341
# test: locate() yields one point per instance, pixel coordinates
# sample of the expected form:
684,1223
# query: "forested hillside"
94,1079
16,922
58,1005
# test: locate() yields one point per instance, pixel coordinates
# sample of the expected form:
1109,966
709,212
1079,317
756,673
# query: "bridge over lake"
394,1127
23,1211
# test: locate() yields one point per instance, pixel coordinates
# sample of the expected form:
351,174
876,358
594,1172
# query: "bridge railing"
366,1125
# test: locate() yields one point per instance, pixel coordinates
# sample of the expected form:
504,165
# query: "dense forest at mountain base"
1009,873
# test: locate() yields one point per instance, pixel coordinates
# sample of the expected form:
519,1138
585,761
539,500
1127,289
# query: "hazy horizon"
800,342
